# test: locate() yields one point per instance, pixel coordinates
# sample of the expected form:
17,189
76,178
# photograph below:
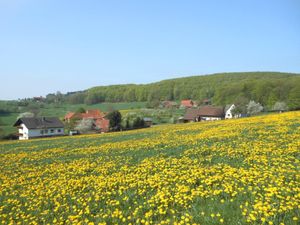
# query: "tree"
115,119
1,131
280,106
240,105
50,98
71,124
81,110
93,98
254,108
34,108
59,97
294,98
153,104
85,125
138,123
77,98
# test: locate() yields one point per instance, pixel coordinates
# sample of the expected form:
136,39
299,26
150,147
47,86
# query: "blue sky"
53,45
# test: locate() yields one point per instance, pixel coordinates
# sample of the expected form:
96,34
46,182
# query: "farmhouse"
204,113
187,103
39,127
228,111
148,121
100,122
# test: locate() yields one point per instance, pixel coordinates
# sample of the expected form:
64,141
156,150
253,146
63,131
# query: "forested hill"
222,89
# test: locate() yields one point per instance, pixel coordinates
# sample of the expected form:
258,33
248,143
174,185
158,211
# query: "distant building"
205,113
229,111
187,103
101,124
148,121
39,127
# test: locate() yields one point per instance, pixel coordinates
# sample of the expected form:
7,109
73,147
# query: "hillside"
243,171
223,88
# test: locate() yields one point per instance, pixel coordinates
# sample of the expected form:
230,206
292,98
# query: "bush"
254,108
280,106
85,125
115,119
138,123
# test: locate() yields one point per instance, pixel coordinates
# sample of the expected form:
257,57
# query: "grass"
243,171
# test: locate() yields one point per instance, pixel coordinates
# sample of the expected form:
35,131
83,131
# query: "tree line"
266,88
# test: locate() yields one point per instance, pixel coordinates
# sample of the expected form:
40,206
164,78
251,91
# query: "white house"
39,127
228,111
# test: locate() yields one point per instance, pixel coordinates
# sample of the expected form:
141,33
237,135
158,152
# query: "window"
228,114
42,132
59,130
46,131
51,131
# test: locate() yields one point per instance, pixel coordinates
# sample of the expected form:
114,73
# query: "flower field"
242,171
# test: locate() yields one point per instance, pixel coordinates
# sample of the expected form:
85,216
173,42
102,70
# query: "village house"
205,113
229,111
101,124
187,103
39,127
148,121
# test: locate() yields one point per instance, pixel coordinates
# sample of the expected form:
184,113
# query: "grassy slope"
199,172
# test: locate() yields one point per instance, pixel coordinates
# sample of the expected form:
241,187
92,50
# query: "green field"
239,171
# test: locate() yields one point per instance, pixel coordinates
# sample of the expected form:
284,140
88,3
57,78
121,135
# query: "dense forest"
263,87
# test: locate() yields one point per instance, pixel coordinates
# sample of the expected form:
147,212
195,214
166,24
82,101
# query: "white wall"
228,113
24,132
211,118
33,133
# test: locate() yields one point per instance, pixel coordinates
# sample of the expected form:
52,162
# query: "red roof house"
93,113
100,122
187,103
71,115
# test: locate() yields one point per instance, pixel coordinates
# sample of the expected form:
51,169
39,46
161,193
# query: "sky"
53,45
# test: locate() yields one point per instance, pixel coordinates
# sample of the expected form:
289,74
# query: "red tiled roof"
71,115
91,113
187,103
102,124
94,113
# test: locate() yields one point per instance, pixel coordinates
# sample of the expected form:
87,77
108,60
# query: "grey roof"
147,119
41,122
